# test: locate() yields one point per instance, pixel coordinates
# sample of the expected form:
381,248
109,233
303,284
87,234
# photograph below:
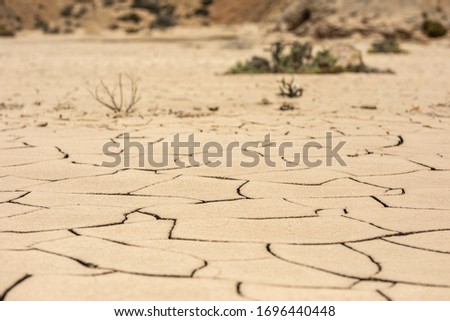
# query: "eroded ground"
378,229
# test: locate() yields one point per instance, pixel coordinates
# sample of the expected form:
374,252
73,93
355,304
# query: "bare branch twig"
108,98
289,89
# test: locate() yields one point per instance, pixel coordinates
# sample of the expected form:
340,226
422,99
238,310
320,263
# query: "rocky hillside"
65,16
342,18
318,18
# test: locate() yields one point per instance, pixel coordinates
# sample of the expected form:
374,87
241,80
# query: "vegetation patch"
164,12
6,32
298,58
153,6
108,3
387,45
132,30
163,21
67,10
130,17
289,89
165,18
255,65
433,28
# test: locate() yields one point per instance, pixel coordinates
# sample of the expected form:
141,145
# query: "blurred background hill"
406,19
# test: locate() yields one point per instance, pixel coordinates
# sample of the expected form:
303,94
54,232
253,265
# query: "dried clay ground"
70,229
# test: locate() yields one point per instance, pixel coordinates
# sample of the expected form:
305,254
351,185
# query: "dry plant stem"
289,89
107,97
134,95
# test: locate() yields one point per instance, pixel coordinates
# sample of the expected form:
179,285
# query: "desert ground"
71,229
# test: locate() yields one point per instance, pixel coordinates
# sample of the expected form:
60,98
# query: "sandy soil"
378,229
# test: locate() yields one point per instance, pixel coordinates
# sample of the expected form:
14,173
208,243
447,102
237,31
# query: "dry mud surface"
70,229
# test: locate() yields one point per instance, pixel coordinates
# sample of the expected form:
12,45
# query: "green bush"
202,12
163,21
299,59
67,10
294,61
6,32
152,6
41,24
434,29
325,62
130,17
108,3
132,30
165,12
256,65
80,13
387,45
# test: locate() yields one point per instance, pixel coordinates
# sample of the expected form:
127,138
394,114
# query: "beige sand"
70,229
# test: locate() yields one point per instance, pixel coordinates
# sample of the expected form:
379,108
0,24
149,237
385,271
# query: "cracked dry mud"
70,229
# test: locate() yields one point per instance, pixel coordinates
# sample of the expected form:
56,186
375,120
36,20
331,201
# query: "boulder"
300,12
346,55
